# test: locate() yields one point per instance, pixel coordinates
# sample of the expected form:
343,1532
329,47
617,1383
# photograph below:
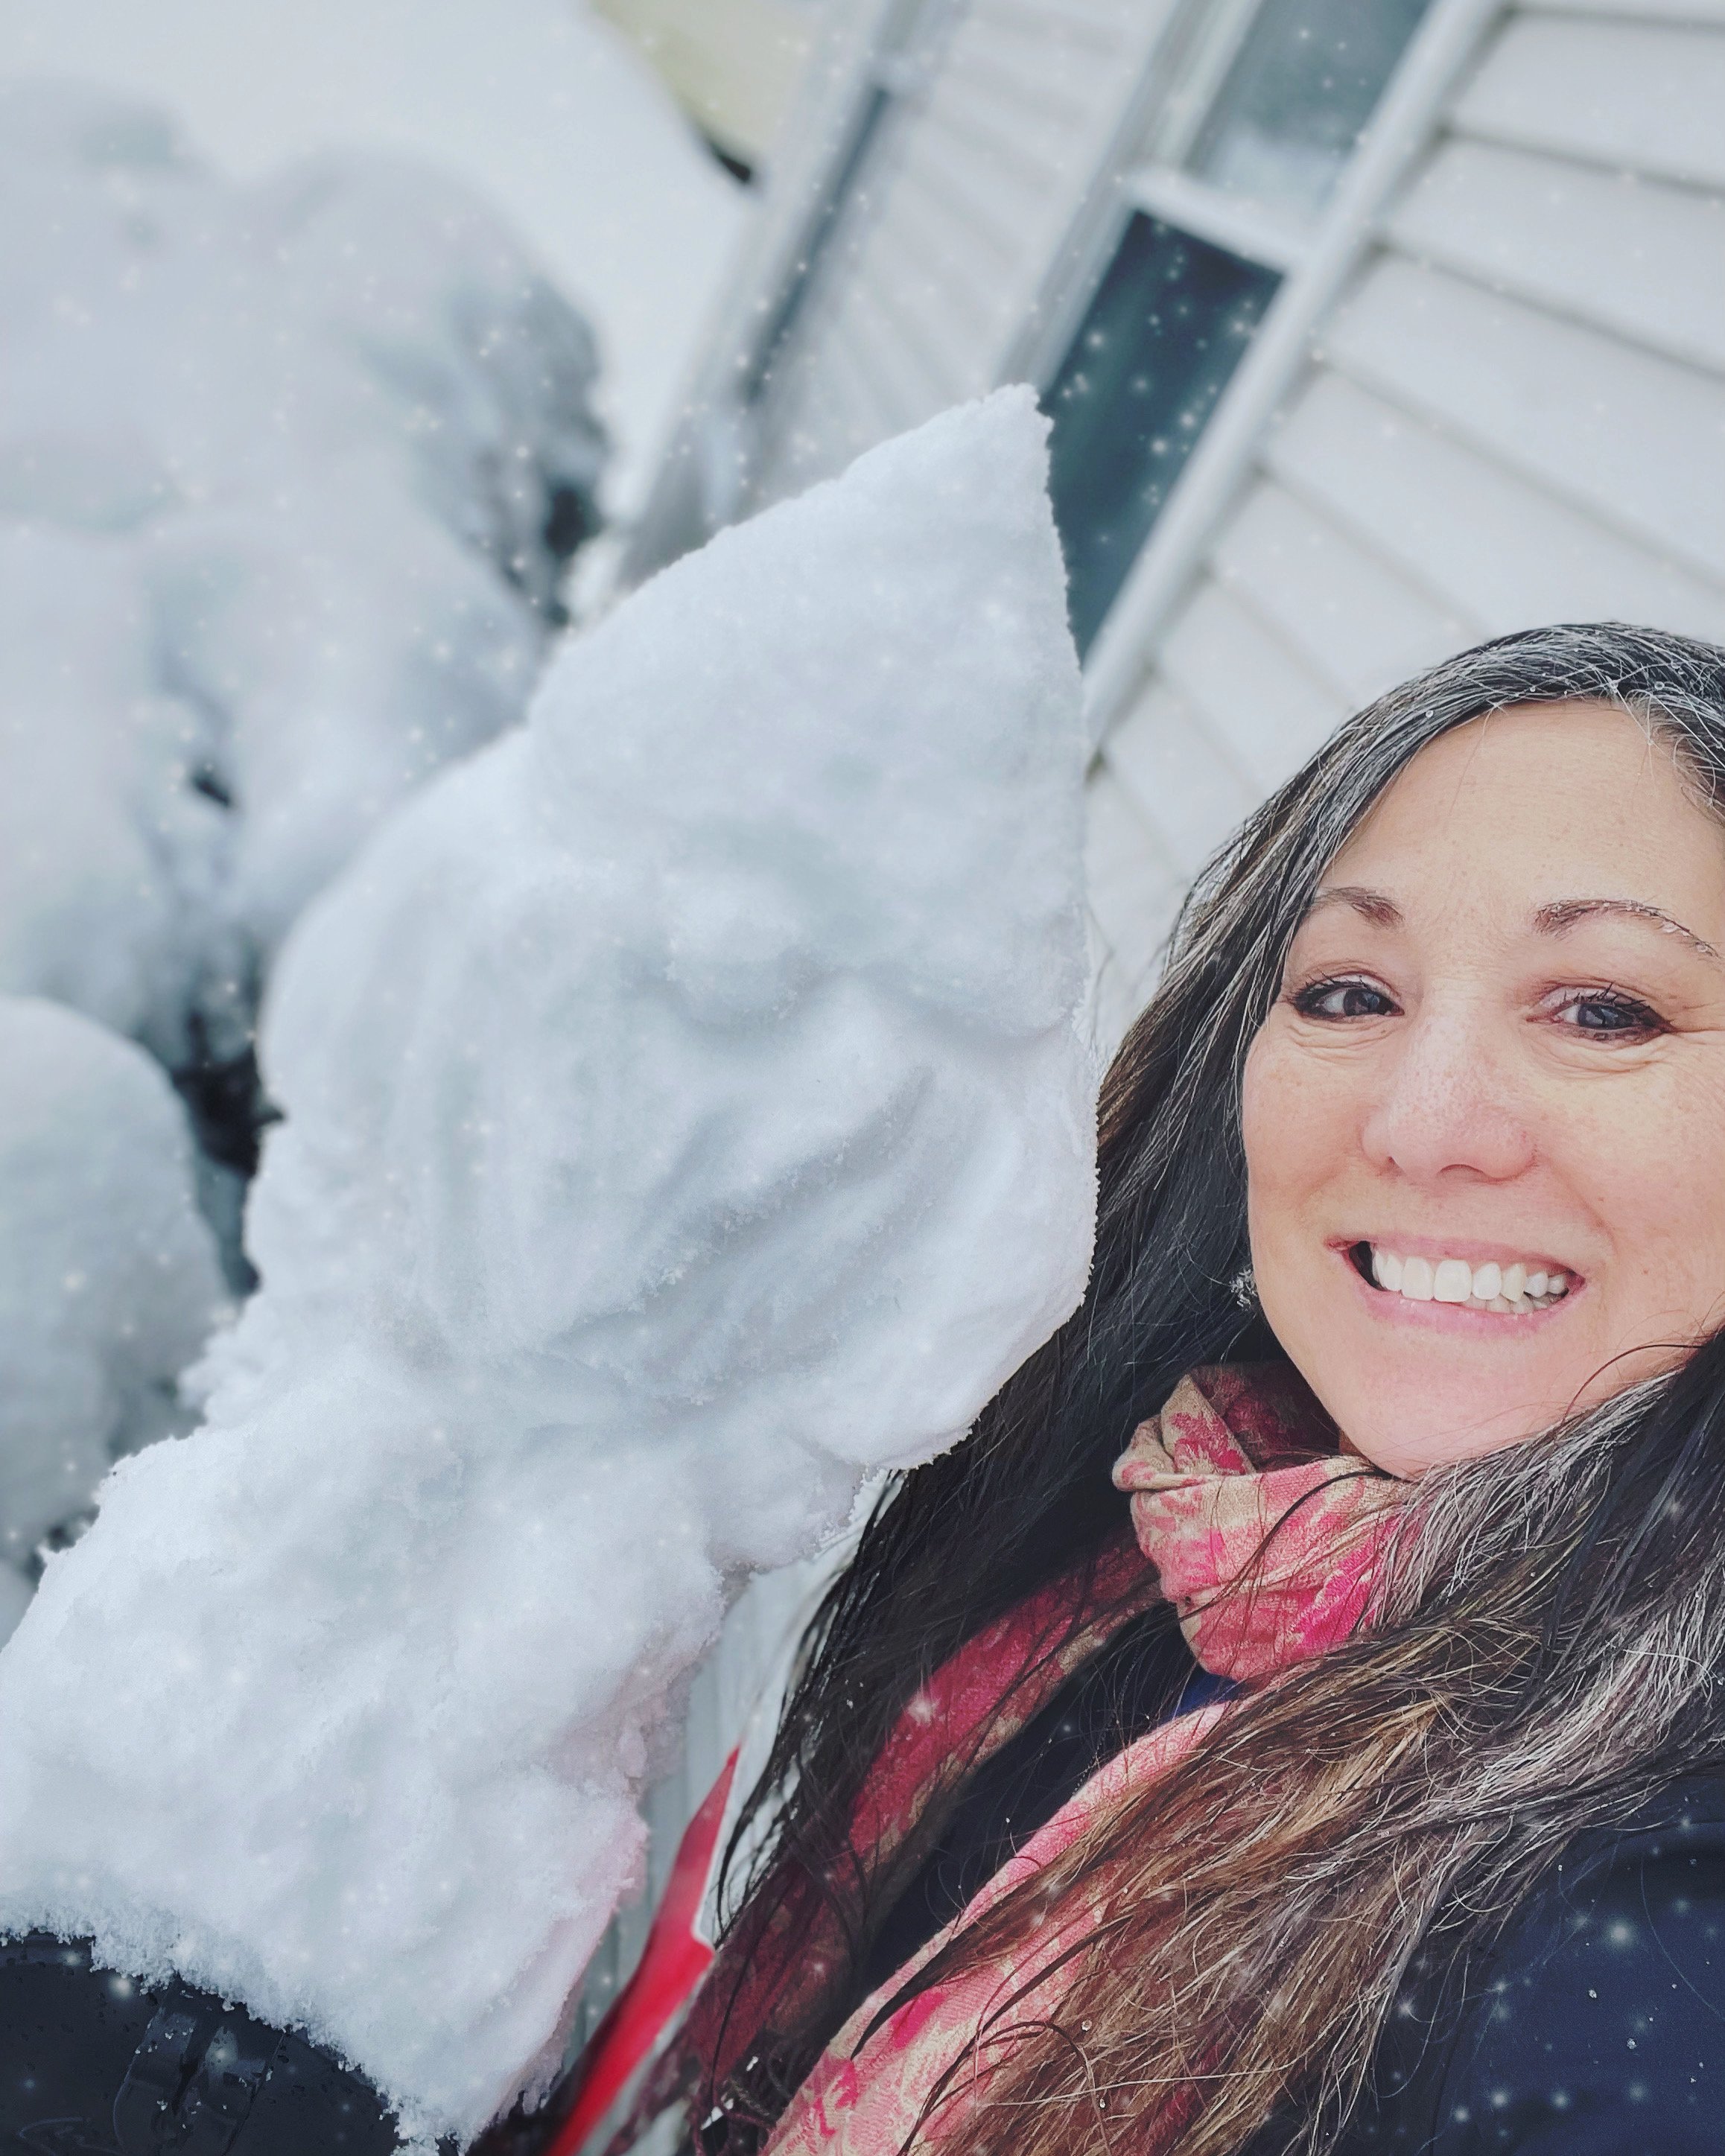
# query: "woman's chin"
1417,1387
1407,1428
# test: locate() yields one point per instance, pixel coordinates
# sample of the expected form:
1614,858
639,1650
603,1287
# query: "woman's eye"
1348,999
1608,1012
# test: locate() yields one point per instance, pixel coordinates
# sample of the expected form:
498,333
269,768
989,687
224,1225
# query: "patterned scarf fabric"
1267,1541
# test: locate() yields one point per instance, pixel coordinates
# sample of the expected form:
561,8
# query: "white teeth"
1506,1288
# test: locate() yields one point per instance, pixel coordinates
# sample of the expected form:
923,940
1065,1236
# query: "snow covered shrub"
286,478
108,1278
687,1113
111,859
344,427
484,369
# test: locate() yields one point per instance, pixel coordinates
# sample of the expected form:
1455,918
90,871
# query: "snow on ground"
108,1278
687,1115
545,112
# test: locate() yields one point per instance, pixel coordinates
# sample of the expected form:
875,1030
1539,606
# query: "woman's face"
1498,1054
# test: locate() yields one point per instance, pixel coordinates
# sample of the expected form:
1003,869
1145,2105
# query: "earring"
1244,1288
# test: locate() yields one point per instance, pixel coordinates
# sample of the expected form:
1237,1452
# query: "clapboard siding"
967,298
1543,227
1185,787
1230,711
1134,888
971,212
1647,96
1359,626
968,196
1023,152
1024,85
1035,29
1476,536
1631,436
809,432
1266,708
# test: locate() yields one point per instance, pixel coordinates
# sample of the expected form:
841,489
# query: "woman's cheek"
1288,1129
1293,1119
1653,1172
1643,1157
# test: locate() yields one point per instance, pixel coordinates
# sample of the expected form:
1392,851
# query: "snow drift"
686,1113
108,1279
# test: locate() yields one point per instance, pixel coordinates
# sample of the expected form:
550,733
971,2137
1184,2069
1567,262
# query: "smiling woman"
1484,1119
1364,1788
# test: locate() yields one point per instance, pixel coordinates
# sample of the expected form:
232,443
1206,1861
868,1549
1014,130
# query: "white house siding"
1515,414
970,190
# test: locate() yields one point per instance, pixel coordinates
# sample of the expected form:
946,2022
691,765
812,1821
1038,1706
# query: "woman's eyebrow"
1565,912
1375,905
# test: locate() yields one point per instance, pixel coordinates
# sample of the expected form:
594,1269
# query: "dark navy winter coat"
1596,2027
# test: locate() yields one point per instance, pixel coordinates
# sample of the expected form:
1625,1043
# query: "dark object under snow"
94,2064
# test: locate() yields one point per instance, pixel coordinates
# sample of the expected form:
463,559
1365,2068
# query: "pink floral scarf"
1267,1541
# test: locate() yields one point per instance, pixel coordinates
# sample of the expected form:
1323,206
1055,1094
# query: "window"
1298,95
1266,102
1163,336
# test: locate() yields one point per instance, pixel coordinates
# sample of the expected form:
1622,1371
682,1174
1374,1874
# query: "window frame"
1314,257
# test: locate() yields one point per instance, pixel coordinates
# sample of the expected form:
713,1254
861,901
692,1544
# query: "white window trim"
1205,42
1399,131
1243,228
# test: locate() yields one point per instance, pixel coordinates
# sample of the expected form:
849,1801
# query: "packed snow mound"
111,858
108,1277
687,1114
351,653
335,434
200,339
482,367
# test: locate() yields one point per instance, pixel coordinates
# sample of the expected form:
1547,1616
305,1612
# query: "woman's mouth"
1512,1291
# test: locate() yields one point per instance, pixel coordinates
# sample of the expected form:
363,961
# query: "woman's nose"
1447,1106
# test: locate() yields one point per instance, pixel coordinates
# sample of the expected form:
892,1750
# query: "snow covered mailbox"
686,1114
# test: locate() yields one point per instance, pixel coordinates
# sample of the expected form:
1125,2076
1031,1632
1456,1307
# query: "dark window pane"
1167,329
1298,95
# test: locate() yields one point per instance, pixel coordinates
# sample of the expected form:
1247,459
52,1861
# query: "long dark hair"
1565,1663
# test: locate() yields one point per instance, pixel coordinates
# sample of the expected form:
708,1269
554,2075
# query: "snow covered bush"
108,1277
478,362
111,859
687,1113
334,435
287,475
